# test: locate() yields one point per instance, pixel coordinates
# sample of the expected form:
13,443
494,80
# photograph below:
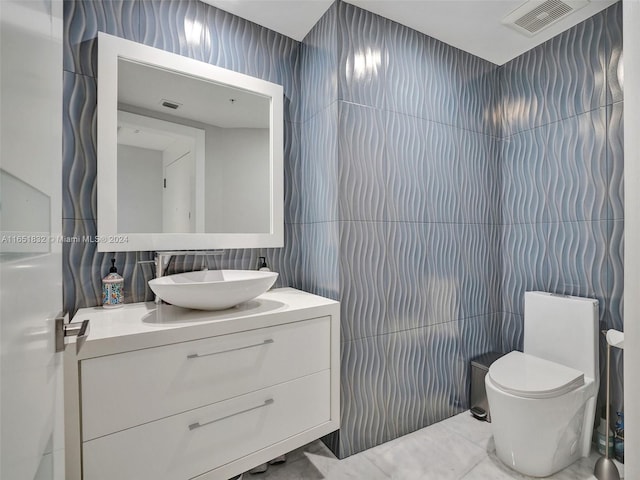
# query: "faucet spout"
162,261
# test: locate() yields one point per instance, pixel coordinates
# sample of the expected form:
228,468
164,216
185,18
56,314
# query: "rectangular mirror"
189,154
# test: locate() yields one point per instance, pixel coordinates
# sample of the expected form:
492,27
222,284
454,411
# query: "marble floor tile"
458,448
315,462
435,452
464,424
491,468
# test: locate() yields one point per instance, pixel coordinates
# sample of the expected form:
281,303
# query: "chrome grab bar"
198,355
268,401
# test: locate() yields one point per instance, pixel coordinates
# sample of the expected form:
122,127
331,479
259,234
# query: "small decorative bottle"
113,288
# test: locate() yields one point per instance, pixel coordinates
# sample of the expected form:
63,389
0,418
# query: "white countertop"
143,325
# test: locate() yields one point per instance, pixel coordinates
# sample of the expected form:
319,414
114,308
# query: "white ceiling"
471,25
202,101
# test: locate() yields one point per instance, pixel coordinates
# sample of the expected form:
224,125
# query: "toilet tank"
563,329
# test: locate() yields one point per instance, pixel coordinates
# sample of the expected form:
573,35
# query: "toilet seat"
528,376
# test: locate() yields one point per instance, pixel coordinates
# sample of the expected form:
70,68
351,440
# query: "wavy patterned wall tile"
246,47
321,248
478,178
362,56
178,27
445,271
577,259
422,170
481,277
437,173
564,76
363,294
319,65
83,19
425,274
83,268
289,261
614,307
406,71
429,370
320,167
420,75
239,259
194,29
615,159
407,282
524,263
524,177
480,335
361,149
613,46
478,95
426,375
292,166
434,81
364,390
79,161
577,168
512,332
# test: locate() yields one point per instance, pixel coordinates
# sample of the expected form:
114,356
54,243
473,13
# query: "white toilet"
543,401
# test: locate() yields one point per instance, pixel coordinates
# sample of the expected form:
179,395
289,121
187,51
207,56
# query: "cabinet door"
183,446
129,389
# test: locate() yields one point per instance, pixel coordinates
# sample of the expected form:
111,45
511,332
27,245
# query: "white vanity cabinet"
160,392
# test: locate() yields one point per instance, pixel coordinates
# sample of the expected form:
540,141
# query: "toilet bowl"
542,400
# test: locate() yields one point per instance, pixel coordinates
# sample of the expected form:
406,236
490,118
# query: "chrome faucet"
162,261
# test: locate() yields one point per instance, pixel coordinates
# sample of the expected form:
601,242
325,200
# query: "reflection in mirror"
157,166
193,155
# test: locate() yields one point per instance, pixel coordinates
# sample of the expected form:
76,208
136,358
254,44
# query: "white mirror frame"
110,49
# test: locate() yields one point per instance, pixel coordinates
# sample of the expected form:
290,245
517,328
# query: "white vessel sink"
212,289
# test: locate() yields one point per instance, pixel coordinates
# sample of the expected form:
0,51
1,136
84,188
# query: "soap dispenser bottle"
262,264
113,288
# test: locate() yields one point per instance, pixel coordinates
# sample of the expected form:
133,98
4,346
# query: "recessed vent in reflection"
170,104
534,16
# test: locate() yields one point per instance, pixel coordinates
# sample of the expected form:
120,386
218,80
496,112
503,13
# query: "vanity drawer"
186,445
128,389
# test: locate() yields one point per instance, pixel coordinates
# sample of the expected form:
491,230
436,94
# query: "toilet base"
539,437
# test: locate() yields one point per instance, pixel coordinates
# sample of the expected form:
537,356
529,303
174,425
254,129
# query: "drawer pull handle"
197,355
267,402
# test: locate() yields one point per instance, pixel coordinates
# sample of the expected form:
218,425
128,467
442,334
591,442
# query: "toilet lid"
532,377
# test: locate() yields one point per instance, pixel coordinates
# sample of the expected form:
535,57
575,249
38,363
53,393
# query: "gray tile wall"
403,195
562,164
460,186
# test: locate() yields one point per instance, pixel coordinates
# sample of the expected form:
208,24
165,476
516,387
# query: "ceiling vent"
534,16
170,104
